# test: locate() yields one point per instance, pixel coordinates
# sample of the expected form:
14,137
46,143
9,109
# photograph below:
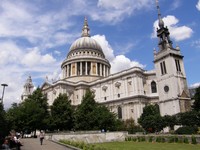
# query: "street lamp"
4,85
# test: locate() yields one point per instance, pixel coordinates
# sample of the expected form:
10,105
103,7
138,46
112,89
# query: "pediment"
184,94
45,85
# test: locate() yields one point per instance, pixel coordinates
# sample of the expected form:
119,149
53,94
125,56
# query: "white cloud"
115,11
14,71
196,43
198,5
107,49
119,62
178,33
34,58
175,4
195,85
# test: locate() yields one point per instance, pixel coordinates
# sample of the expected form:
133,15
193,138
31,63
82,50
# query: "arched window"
119,109
153,87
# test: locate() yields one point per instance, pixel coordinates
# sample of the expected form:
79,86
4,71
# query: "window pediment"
104,87
118,84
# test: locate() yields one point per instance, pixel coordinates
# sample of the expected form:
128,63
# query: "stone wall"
89,137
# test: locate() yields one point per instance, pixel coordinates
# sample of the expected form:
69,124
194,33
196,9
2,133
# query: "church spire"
85,29
162,32
160,21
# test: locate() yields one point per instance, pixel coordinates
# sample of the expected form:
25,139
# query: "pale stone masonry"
128,91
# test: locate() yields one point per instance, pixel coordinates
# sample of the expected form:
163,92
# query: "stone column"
76,68
104,72
81,69
71,70
86,68
65,72
100,69
96,69
107,71
68,71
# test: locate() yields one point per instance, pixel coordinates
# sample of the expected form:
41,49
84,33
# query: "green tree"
190,118
170,121
14,115
90,115
3,123
104,118
196,104
35,111
62,113
150,119
84,119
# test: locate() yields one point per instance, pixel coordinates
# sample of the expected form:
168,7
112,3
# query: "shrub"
158,139
180,140
170,139
185,140
193,140
186,130
135,129
163,139
150,139
176,139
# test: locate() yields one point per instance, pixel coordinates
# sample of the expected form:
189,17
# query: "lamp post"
4,85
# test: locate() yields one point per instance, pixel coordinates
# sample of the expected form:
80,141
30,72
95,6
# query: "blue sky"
35,36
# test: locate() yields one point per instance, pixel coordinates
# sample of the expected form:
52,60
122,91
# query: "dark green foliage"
169,121
29,115
82,145
150,119
171,139
189,118
35,111
141,138
129,125
185,140
151,139
193,140
196,104
62,113
90,115
158,139
15,117
3,123
186,130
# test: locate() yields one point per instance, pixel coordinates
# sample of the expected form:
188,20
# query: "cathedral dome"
85,60
85,43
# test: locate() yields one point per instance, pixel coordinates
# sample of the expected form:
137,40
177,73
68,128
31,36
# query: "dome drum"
85,60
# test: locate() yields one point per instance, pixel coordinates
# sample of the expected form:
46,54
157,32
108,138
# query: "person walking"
41,137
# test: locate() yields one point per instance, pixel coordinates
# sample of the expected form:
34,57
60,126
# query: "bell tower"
28,88
171,78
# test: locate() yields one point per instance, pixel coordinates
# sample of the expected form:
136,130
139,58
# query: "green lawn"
148,146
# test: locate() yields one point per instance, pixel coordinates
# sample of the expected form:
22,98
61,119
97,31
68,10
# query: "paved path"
34,144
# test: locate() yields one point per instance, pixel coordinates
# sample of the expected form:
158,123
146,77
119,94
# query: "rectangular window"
165,71
163,68
178,67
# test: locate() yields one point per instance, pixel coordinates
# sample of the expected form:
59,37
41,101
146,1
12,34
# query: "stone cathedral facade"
128,91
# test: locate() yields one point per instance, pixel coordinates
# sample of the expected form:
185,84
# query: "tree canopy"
196,104
150,119
90,115
62,113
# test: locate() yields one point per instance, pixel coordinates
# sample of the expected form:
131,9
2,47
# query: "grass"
147,146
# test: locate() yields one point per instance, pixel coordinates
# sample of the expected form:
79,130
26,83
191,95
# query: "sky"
35,36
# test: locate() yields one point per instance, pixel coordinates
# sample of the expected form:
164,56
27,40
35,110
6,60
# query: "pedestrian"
6,145
41,137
